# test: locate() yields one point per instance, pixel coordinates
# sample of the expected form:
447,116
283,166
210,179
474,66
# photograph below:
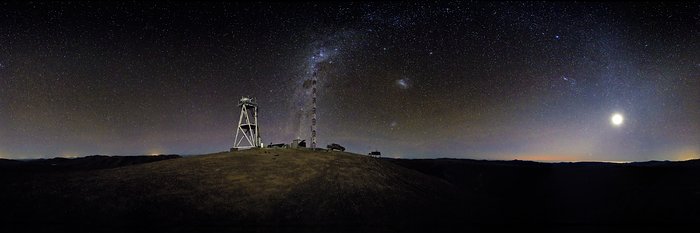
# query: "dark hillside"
252,187
589,193
286,187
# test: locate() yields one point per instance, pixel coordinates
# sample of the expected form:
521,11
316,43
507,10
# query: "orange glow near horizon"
154,152
687,154
550,157
70,155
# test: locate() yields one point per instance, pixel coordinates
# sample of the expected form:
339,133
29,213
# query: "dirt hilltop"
250,187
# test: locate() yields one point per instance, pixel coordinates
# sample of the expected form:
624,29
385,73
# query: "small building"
298,143
375,154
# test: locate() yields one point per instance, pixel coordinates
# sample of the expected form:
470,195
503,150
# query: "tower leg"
238,128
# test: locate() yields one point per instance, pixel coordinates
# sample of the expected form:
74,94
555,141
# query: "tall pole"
313,110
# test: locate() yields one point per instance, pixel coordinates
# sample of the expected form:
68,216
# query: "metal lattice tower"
246,129
313,110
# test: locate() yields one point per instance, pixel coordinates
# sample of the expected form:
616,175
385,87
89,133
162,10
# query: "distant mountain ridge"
91,162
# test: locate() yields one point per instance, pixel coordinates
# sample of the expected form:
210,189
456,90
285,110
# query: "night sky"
522,80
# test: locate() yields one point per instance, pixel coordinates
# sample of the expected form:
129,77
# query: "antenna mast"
314,79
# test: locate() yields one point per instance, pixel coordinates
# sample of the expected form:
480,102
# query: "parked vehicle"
335,147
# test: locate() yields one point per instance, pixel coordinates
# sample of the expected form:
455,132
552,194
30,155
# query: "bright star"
617,119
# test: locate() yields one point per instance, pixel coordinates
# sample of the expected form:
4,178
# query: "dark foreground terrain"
300,188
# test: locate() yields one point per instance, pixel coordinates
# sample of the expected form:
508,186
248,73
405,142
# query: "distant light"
393,124
617,119
403,83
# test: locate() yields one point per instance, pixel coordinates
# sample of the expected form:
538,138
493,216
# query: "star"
403,83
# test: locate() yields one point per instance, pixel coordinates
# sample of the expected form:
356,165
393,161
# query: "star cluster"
491,80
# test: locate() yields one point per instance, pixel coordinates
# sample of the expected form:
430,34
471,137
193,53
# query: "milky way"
504,80
325,53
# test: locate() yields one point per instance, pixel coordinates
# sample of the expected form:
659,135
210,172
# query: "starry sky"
483,80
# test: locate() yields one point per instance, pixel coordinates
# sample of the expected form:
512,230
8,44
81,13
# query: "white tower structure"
314,80
247,131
